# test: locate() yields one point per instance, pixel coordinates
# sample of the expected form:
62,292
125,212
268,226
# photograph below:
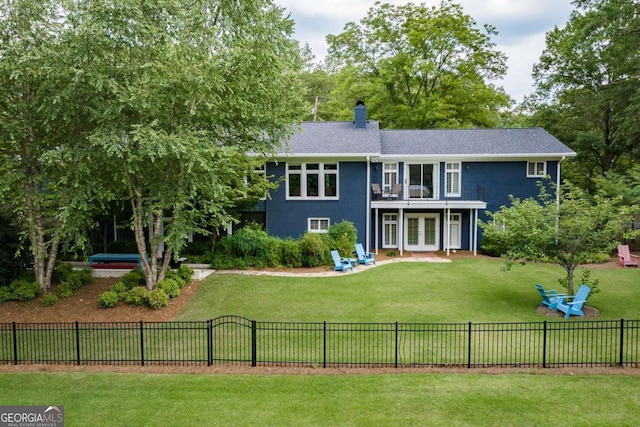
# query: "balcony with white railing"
420,196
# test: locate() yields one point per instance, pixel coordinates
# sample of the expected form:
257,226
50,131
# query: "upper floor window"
390,176
452,179
536,169
312,181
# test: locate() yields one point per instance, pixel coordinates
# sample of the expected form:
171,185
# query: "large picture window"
312,181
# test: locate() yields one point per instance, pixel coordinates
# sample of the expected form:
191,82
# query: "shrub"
108,299
157,299
173,275
48,300
133,278
344,236
65,290
5,294
170,287
120,289
23,290
291,253
137,296
62,271
185,272
85,275
313,250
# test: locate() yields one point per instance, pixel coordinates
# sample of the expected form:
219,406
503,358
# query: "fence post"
396,356
544,345
324,344
621,342
209,342
15,344
142,342
77,343
254,348
469,353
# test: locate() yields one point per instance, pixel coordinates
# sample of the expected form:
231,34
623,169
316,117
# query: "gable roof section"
472,143
333,139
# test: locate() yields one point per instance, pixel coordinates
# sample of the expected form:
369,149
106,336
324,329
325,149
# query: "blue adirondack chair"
341,264
575,306
363,256
549,298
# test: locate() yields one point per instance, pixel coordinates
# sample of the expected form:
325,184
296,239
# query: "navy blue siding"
289,218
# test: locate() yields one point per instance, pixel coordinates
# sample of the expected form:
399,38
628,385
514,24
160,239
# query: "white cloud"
521,25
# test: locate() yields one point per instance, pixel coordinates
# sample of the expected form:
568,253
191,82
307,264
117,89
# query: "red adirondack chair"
626,258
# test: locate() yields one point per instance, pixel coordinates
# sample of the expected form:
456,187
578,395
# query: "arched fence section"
235,340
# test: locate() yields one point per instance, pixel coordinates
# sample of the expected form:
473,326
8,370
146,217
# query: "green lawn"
477,290
329,400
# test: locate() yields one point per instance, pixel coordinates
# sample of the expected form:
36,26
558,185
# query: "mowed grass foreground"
475,290
329,400
465,290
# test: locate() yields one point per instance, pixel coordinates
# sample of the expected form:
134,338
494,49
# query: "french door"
422,232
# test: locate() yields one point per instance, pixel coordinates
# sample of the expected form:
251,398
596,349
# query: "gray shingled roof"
335,138
342,139
471,142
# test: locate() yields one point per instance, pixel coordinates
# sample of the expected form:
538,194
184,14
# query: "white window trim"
447,172
321,178
386,220
319,221
389,168
537,174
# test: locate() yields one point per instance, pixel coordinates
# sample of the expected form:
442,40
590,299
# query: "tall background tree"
588,87
418,67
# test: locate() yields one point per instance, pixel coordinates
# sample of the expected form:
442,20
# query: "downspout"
368,216
558,180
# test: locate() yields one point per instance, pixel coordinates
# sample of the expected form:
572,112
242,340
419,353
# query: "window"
390,176
452,179
312,181
536,169
318,225
390,227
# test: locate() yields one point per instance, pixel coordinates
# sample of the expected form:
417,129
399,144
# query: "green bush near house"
48,300
108,299
157,298
170,287
24,290
137,296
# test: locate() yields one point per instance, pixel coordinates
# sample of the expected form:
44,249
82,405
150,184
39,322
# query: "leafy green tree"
588,86
40,121
182,90
576,231
418,67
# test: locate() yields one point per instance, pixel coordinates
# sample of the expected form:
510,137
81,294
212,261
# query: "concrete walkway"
200,271
329,272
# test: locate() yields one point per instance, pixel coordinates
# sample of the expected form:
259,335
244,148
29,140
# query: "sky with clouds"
521,25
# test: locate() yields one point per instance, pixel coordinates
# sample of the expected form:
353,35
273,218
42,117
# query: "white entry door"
422,232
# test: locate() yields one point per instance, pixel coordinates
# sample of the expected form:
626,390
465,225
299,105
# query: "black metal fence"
236,340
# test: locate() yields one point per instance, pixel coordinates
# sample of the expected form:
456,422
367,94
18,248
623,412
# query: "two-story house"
410,190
